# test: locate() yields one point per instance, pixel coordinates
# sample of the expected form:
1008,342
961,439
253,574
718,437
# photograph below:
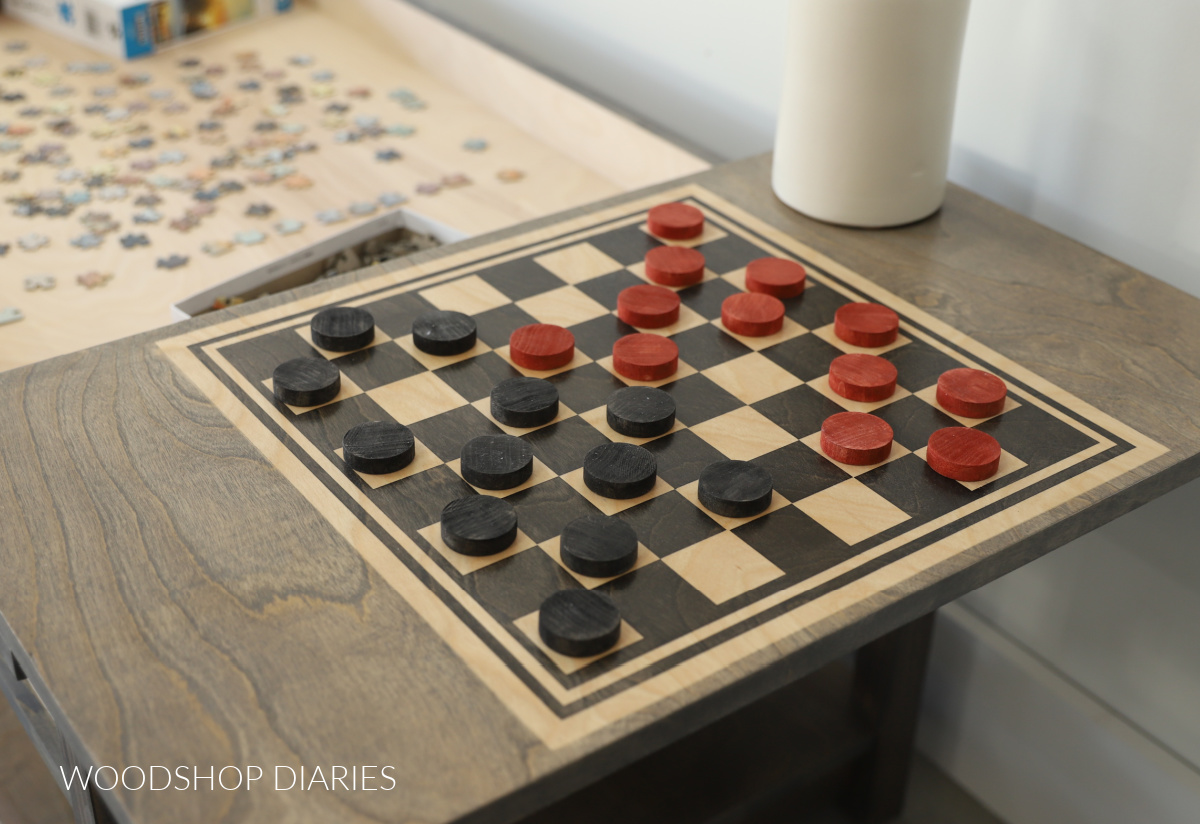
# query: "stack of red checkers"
675,221
971,393
867,378
674,266
856,438
776,277
866,324
541,346
645,357
752,314
648,307
963,454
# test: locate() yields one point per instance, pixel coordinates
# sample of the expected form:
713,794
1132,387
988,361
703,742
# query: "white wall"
1085,115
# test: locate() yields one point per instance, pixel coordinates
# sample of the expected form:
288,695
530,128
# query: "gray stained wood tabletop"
133,603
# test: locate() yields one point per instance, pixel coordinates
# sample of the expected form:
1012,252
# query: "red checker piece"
856,438
674,266
648,307
776,277
752,314
675,221
867,378
541,346
866,324
963,454
645,357
971,393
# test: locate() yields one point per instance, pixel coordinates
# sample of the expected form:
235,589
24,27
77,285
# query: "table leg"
889,675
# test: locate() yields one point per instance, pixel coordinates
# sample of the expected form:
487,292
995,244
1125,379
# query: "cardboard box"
136,28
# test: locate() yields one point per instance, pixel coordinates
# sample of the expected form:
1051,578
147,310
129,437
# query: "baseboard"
1034,747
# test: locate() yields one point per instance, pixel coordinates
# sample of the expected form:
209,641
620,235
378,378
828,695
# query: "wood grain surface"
589,153
155,637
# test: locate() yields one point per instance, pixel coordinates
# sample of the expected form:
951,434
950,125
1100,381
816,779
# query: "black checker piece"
342,328
378,365
306,382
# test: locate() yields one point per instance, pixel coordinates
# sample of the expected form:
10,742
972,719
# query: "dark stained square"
919,365
798,471
800,411
807,356
518,584
395,315
917,490
682,456
415,502
626,245
495,325
378,365
669,522
795,543
1035,436
698,399
257,357
520,278
706,297
543,510
474,378
707,345
596,337
729,253
913,421
585,387
446,433
561,446
604,289
660,604
816,306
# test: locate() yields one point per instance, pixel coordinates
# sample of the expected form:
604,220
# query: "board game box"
707,591
135,28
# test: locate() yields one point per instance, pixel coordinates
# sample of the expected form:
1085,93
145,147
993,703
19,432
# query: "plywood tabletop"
177,599
140,293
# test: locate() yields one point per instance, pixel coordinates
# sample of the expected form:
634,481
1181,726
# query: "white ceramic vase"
868,104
